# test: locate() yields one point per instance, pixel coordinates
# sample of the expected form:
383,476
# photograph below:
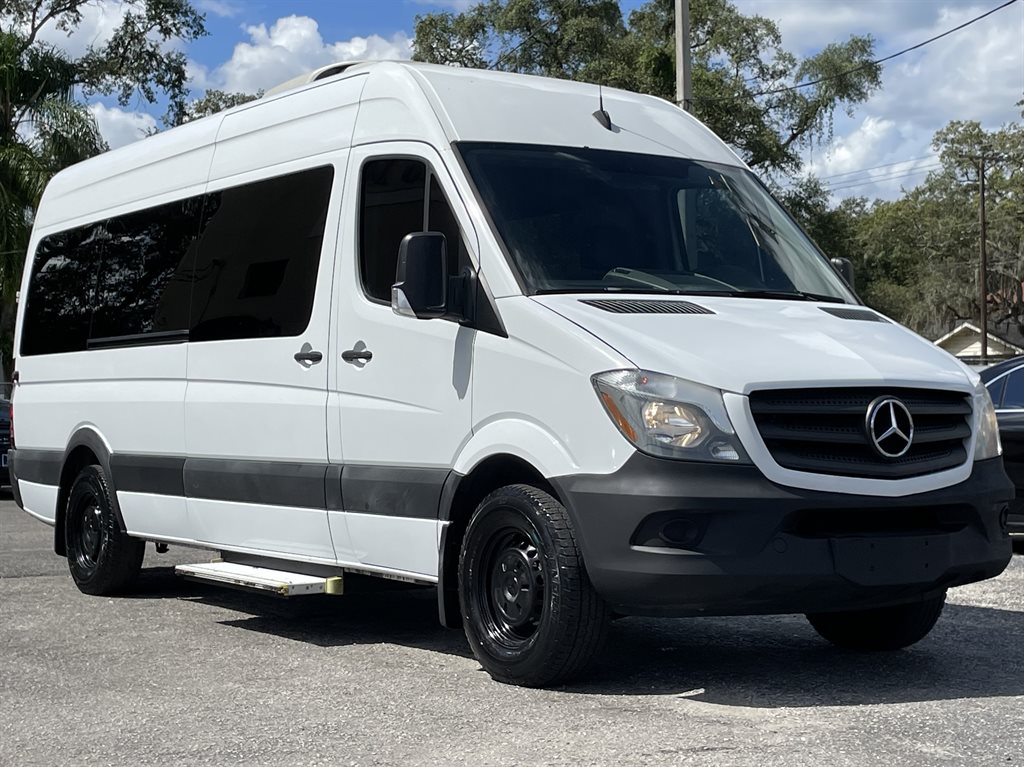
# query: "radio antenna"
601,115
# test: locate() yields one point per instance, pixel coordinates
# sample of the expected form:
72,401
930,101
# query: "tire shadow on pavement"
778,661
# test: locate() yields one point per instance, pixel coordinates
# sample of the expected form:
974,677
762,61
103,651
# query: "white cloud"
224,8
809,25
876,159
291,46
973,74
119,127
99,20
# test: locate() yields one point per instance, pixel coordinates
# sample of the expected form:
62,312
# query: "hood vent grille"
853,314
634,306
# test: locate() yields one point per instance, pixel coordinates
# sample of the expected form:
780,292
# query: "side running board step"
277,582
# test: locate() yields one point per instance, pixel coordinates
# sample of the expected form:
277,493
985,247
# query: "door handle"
309,357
357,355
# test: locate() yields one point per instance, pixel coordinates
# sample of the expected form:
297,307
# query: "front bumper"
662,537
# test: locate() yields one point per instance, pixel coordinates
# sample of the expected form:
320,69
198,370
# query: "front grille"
5,438
823,430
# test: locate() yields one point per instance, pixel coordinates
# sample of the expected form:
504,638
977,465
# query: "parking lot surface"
186,674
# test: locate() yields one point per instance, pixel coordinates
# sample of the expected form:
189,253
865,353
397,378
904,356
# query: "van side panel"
253,409
166,165
293,126
133,398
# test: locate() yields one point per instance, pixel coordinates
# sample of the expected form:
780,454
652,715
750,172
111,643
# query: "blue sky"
977,73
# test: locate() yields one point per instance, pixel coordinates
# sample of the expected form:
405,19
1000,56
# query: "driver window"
400,196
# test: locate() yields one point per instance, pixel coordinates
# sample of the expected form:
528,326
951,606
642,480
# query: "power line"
888,177
861,67
876,167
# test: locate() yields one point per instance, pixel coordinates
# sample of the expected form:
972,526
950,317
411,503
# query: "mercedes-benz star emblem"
890,427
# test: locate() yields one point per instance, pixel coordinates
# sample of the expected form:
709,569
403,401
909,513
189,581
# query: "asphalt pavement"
188,674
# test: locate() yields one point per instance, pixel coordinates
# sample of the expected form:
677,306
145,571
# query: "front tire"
881,629
103,560
530,614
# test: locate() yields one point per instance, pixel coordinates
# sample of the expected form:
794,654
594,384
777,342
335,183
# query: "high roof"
397,100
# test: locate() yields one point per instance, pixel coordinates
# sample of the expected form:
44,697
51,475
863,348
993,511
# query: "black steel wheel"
530,613
884,628
101,557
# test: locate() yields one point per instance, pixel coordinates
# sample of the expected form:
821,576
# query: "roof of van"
394,100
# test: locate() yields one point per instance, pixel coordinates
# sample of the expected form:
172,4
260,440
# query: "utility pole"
983,260
684,94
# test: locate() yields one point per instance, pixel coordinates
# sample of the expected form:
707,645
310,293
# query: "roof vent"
310,77
866,315
634,306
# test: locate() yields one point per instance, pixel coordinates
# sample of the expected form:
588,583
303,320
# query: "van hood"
744,344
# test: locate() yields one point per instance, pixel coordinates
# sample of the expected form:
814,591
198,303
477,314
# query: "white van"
554,350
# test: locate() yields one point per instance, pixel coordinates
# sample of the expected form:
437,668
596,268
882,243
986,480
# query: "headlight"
986,427
669,417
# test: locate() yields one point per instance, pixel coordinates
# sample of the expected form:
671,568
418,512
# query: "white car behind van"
558,352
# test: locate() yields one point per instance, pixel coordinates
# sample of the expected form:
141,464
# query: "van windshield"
589,220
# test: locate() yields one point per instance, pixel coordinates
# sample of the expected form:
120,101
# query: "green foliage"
741,73
43,128
140,58
918,255
214,101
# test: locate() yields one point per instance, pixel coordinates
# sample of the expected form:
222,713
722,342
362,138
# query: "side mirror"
845,268
421,287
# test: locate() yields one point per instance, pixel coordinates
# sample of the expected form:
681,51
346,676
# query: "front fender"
519,437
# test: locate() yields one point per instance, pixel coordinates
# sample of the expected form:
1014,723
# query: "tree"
742,77
920,252
43,127
137,59
214,101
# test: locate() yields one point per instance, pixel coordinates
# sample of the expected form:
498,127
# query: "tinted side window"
392,206
143,284
1013,396
441,218
60,292
255,271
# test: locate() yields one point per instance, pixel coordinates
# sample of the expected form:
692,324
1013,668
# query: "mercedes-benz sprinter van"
554,350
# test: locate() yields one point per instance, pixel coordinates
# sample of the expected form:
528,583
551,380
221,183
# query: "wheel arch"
85,448
460,496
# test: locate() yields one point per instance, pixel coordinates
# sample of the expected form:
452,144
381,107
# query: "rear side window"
143,284
60,292
400,196
258,255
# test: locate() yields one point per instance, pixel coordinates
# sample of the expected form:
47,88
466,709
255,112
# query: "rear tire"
530,614
881,629
103,560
